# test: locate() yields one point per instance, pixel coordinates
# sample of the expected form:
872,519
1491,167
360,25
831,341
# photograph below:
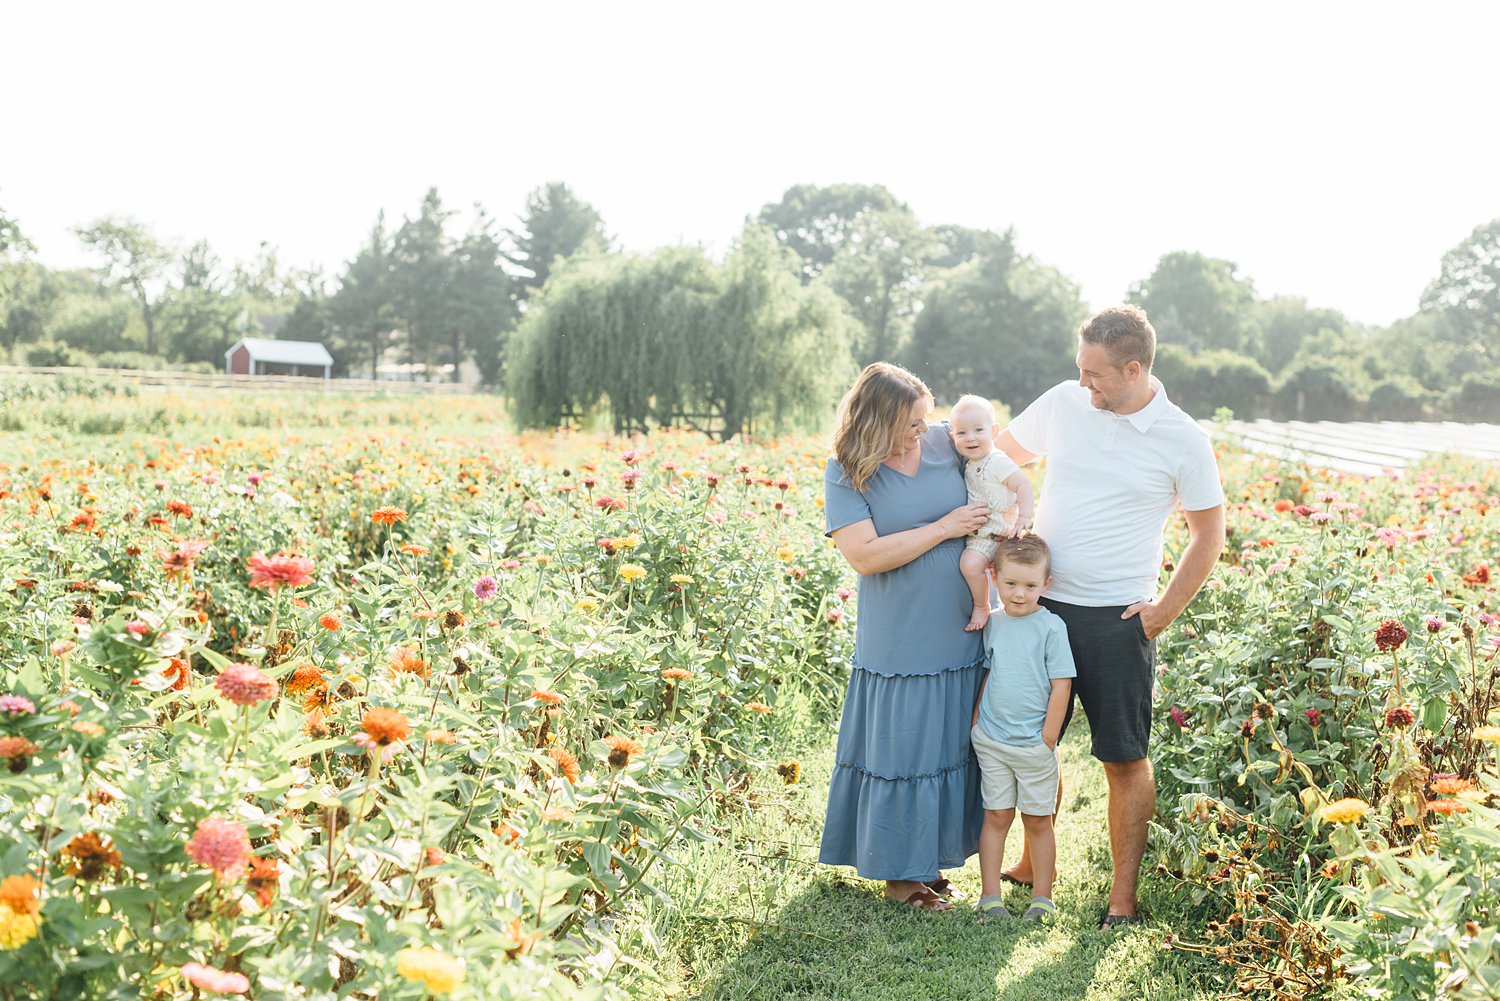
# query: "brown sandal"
925,900
944,888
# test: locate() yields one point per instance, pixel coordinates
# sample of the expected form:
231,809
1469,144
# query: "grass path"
766,923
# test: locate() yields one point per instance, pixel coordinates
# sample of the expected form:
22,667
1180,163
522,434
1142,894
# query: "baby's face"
974,432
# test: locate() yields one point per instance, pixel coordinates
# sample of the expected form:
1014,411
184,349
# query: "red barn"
262,356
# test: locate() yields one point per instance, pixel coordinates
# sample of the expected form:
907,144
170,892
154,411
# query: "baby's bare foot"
978,619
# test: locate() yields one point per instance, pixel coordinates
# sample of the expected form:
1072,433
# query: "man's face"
973,432
1109,387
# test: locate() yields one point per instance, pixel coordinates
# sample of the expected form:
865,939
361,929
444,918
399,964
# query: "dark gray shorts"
1116,672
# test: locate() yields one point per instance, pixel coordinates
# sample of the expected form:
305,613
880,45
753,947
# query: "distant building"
260,356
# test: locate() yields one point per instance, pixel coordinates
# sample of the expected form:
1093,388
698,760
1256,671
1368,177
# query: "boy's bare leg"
1021,872
1040,839
992,850
973,565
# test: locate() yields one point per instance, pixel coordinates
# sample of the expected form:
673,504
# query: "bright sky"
1332,150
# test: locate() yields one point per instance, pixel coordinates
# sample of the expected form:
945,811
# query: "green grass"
765,921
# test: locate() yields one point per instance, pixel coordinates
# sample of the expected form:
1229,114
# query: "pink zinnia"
206,978
137,628
17,705
281,570
220,845
486,587
1178,716
244,684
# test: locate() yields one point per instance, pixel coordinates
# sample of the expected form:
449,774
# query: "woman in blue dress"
904,802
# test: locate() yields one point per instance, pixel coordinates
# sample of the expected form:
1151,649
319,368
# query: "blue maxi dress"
904,801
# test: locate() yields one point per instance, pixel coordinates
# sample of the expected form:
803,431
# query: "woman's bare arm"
870,553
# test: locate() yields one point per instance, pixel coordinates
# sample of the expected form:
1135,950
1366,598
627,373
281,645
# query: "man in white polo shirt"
1120,459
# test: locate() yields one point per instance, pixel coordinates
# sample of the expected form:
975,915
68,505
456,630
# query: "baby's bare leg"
973,564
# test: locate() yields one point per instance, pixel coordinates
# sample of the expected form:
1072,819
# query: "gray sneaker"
1040,908
991,909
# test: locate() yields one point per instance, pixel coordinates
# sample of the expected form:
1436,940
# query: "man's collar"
1143,418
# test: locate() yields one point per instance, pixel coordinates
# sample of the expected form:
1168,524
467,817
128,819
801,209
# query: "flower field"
415,707
385,718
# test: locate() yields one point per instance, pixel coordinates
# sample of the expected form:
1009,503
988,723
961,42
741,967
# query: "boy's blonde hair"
1030,550
969,401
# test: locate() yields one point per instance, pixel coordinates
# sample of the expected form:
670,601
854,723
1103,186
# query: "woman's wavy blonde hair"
870,414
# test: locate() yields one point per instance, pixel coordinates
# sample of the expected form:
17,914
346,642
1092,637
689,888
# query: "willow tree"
777,351
616,331
670,338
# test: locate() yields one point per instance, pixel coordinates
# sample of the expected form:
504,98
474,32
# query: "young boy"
994,480
1017,720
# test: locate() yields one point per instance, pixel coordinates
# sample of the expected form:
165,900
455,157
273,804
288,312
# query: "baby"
994,480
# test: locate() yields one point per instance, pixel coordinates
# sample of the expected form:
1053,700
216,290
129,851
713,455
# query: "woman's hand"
964,520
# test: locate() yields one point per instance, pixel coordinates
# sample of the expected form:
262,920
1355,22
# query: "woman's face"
915,426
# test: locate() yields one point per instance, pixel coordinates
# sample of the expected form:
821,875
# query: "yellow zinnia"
587,606
682,578
16,927
786,554
627,541
1489,733
437,971
1344,811
631,572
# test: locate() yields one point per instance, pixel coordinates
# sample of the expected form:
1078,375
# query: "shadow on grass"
867,948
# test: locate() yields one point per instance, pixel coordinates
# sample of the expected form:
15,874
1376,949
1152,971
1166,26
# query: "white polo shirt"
1112,481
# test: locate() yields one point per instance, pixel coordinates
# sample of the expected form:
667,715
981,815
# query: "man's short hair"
1124,332
1029,549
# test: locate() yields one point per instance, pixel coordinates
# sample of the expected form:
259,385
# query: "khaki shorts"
1020,777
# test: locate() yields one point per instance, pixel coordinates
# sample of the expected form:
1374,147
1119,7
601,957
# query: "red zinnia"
1400,718
281,570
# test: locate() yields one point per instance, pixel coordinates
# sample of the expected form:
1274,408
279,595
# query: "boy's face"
1020,585
973,432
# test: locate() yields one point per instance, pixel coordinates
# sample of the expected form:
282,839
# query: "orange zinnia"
567,765
408,661
19,893
387,515
330,622
549,697
385,726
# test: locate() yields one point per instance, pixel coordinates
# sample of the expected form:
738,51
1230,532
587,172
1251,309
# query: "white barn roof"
283,352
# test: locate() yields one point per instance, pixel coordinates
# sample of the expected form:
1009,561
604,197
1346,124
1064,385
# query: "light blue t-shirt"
1025,652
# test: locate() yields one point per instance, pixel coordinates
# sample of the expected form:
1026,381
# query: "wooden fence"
148,379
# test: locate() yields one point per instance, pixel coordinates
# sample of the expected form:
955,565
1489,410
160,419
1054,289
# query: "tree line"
818,283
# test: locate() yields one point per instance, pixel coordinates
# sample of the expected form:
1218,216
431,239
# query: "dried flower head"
1390,636
620,751
790,771
92,858
1399,718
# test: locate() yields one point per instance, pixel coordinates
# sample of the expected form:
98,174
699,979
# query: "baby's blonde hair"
971,402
